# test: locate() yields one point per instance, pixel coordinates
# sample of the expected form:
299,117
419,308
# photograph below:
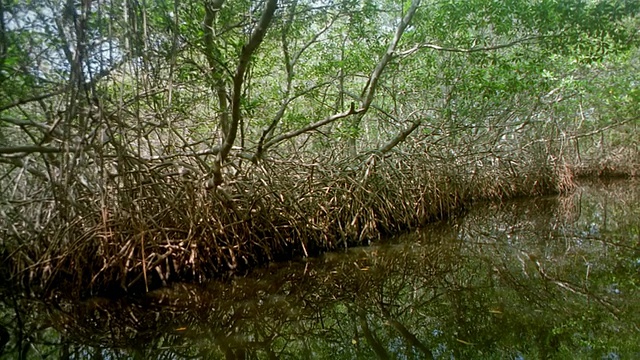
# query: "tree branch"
278,116
18,122
402,136
245,57
467,51
18,163
216,68
290,62
325,121
28,149
370,89
32,99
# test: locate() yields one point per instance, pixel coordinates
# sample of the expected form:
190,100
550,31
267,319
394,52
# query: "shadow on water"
537,278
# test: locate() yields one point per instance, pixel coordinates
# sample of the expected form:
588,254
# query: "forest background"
143,142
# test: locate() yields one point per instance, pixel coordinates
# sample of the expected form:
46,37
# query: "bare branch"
28,149
18,163
402,136
217,69
245,57
289,64
278,116
466,51
311,127
32,99
370,89
19,122
311,41
373,105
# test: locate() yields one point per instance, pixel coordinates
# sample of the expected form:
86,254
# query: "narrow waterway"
555,277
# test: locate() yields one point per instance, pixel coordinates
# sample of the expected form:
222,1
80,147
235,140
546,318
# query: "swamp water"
555,277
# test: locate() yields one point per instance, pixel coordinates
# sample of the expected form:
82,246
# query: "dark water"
557,277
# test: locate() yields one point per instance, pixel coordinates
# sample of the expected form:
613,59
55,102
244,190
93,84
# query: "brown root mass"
163,229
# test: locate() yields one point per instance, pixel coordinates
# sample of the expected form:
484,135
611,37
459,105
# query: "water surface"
555,277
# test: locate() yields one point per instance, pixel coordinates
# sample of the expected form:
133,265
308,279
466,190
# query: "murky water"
528,279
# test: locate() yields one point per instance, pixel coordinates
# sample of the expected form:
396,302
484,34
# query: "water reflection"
553,277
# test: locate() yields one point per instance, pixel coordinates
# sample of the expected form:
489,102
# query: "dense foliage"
206,132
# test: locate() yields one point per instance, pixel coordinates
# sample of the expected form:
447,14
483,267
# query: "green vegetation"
147,142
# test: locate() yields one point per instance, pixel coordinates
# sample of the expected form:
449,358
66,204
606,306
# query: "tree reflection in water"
538,278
